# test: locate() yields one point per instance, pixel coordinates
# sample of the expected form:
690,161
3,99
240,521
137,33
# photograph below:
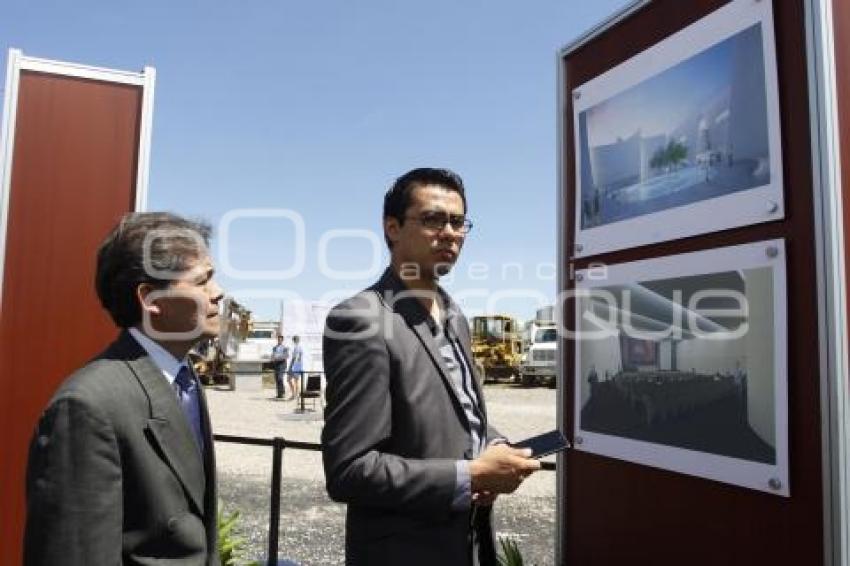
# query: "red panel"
623,513
73,176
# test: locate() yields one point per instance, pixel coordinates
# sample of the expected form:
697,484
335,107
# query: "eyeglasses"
434,220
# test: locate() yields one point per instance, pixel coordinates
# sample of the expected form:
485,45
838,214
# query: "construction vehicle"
540,345
496,347
258,344
538,365
243,339
211,358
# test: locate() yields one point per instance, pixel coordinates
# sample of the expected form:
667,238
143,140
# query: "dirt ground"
311,525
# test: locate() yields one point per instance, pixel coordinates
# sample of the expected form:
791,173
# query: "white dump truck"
258,344
538,361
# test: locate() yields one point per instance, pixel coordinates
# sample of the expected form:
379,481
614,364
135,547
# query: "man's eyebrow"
206,275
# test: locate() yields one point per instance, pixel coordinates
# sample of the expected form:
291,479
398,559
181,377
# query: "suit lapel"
461,329
169,429
414,314
210,494
423,332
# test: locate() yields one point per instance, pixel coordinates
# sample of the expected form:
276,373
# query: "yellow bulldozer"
496,347
211,358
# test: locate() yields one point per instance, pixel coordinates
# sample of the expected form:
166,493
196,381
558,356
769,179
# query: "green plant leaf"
510,555
230,546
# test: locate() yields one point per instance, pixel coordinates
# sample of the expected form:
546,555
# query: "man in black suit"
406,442
121,467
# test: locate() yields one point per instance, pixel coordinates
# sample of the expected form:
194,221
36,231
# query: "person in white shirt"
280,354
296,367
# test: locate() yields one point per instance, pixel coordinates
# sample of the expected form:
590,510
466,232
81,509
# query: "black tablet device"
545,444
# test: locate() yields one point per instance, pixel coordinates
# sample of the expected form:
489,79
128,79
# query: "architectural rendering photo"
687,362
694,132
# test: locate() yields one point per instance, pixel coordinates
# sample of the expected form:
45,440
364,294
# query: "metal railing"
278,444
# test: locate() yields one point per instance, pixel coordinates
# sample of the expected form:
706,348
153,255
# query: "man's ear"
143,291
392,229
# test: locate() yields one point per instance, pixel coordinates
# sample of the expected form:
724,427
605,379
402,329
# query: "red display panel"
73,176
617,512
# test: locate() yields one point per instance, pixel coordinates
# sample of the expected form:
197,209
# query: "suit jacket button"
172,524
43,441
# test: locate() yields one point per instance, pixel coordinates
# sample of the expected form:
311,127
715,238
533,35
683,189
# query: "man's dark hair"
397,199
171,244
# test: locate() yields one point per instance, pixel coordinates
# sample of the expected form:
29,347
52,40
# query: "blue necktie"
187,396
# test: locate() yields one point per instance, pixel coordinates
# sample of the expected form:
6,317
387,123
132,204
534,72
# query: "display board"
681,364
73,160
648,491
683,138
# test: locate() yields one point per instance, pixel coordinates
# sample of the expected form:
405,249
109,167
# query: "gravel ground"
311,525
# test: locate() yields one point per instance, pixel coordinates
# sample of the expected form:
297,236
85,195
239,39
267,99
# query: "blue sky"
316,107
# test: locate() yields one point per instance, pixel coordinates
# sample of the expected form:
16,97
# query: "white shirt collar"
167,364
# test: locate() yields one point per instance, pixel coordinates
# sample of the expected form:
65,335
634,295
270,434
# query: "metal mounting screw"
774,484
772,207
579,248
771,251
576,95
579,440
579,277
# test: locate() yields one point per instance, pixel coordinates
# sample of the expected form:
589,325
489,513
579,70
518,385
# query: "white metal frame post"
562,277
7,139
18,62
831,283
145,132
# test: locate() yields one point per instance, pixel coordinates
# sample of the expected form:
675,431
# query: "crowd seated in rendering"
662,395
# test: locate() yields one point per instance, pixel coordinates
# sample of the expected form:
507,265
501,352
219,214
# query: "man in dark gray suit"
121,467
406,442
